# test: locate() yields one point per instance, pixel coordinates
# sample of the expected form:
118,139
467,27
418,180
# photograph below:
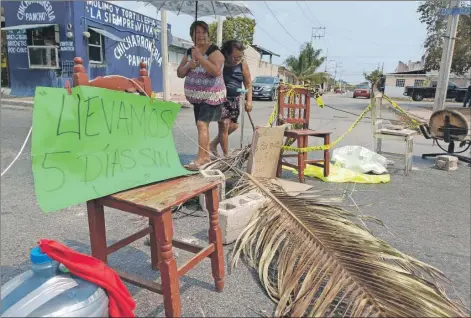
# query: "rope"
19,153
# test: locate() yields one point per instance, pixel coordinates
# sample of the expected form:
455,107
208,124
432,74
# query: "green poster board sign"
96,142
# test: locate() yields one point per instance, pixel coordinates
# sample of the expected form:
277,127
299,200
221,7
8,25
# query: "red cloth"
121,303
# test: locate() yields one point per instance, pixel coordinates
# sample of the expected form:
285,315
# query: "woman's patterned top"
202,87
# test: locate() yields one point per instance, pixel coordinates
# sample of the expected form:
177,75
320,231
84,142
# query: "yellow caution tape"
415,123
325,147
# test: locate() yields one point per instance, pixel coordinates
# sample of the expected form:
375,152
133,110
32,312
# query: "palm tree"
305,65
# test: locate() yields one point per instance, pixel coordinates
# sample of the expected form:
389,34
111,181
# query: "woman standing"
204,86
236,71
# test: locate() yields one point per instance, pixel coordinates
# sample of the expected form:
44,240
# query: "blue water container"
49,290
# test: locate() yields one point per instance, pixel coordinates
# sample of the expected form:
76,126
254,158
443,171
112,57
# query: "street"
427,213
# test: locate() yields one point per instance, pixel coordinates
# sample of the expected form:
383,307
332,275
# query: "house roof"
263,51
182,43
409,72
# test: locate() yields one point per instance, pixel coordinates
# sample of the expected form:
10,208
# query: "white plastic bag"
360,159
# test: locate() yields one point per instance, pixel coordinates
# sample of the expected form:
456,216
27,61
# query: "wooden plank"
140,282
128,240
195,260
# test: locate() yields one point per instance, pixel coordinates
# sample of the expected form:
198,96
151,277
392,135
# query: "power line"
304,13
280,23
311,13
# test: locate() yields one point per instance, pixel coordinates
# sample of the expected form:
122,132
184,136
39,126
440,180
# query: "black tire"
272,97
459,99
354,96
418,97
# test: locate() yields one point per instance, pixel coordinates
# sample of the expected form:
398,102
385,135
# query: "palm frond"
314,260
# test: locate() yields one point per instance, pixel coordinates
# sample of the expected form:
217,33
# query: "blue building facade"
43,37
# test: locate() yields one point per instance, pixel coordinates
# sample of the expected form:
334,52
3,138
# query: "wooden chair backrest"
141,84
294,109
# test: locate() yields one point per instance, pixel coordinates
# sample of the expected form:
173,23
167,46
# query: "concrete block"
447,163
235,214
217,175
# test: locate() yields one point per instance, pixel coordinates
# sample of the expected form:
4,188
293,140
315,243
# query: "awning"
27,26
107,34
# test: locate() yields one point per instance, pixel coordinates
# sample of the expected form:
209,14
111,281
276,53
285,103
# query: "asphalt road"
427,212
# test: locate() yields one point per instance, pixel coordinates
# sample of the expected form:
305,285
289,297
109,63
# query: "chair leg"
163,234
326,156
96,225
215,237
154,248
301,161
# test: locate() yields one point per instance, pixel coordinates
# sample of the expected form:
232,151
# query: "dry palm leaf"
314,260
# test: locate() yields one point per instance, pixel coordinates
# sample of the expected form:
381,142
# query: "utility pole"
317,33
447,56
219,31
164,43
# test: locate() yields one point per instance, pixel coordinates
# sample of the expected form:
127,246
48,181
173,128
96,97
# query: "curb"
12,102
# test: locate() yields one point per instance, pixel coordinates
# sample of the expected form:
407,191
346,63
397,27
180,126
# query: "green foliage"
436,29
238,28
373,77
304,66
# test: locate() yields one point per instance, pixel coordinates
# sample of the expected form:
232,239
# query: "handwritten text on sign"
96,142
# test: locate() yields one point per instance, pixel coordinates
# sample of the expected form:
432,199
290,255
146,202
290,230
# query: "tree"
239,28
436,28
373,78
304,66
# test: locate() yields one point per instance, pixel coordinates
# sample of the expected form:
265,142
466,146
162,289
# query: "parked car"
265,87
419,93
362,90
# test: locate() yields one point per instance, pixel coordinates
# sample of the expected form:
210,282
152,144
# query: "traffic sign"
454,11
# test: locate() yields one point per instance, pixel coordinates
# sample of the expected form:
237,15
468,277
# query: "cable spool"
459,126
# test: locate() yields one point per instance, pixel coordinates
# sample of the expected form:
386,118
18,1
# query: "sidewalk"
29,101
424,112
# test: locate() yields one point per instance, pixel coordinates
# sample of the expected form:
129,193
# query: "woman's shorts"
207,113
231,109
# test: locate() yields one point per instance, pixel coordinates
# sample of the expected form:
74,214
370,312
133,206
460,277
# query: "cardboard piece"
96,142
265,151
290,187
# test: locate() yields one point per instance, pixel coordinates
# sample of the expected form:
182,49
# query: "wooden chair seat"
305,132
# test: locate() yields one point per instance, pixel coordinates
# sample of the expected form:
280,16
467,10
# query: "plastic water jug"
49,290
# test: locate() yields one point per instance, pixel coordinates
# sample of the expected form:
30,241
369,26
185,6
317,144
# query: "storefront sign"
17,41
40,11
122,50
128,20
67,46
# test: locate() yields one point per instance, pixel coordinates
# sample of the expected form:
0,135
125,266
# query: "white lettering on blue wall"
131,41
16,41
105,12
46,13
67,46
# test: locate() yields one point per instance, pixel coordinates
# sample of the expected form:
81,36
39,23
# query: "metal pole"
164,44
447,57
219,31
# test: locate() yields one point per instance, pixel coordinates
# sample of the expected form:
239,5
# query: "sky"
359,35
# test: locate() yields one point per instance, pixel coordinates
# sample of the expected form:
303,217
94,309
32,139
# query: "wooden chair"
297,111
141,84
155,202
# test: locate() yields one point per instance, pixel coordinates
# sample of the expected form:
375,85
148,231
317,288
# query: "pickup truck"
419,93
